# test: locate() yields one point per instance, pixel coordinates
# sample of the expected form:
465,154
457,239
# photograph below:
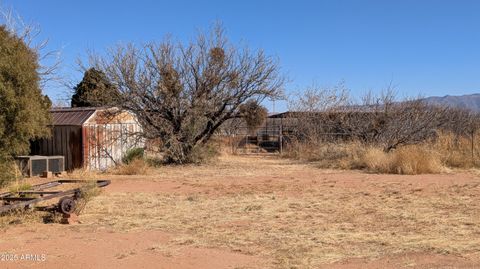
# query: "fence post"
473,147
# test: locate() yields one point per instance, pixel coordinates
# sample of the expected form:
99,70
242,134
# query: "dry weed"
84,174
319,226
87,193
458,151
409,160
134,167
345,155
28,217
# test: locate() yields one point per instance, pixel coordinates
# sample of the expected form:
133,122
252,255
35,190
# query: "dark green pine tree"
94,90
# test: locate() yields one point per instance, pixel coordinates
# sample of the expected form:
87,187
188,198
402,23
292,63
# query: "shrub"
408,160
253,113
456,150
326,154
414,159
24,186
87,193
204,153
133,154
134,167
7,171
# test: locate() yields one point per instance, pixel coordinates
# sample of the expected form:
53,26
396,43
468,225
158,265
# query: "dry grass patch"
31,216
344,155
27,217
320,226
458,151
407,160
447,150
84,174
410,160
134,167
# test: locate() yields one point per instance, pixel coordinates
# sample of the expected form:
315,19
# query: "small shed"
91,138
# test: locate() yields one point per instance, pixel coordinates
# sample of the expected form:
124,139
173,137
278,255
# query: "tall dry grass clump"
87,193
458,151
134,167
347,155
408,160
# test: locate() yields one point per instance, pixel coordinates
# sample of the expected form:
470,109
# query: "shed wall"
106,144
65,141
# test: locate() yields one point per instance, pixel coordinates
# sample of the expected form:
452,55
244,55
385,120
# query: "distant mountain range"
470,101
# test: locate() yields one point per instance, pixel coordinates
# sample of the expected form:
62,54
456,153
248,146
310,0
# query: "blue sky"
425,47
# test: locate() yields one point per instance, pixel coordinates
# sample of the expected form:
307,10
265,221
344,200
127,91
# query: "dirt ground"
262,212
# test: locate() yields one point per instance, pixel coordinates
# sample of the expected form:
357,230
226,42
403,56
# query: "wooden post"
473,147
280,139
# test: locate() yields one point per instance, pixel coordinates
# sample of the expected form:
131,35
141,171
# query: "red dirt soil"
72,246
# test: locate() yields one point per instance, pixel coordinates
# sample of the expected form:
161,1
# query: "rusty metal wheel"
66,205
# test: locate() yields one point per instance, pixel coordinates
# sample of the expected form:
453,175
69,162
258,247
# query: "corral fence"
275,135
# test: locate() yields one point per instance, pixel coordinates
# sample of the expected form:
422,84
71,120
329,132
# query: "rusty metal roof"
71,116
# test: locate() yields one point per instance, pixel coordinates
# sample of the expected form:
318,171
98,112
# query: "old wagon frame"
20,199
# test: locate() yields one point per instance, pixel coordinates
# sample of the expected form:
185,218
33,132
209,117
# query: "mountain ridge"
467,101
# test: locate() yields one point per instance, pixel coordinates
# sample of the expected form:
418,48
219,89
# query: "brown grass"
447,151
456,151
410,160
304,229
31,216
289,219
88,192
26,217
135,167
346,155
84,174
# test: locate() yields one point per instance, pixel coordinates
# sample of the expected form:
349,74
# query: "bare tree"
380,120
316,111
315,99
183,93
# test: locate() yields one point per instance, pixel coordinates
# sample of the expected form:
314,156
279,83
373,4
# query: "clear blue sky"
425,47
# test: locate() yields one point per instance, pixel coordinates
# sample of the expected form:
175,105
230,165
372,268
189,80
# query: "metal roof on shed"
71,116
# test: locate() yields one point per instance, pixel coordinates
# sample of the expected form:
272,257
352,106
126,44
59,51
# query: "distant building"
91,138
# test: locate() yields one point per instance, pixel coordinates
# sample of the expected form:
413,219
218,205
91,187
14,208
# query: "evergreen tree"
93,90
24,111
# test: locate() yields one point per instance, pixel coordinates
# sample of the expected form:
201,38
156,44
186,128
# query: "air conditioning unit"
36,165
56,164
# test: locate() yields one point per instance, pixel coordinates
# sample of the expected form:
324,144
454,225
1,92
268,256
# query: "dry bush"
227,145
328,154
254,115
87,193
205,153
9,171
83,173
20,186
134,167
408,160
456,150
18,217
